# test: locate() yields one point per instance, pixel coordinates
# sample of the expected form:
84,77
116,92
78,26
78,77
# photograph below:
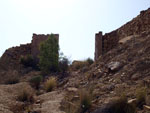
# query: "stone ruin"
36,40
104,43
12,55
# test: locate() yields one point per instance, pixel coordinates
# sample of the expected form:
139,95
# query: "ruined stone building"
104,43
12,55
36,40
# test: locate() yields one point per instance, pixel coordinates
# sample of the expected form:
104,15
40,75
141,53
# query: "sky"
76,22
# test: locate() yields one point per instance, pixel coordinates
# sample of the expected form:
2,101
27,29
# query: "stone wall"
36,40
11,57
104,43
98,45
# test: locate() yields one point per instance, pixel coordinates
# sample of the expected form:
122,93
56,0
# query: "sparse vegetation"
76,65
35,81
25,96
90,61
50,84
49,55
121,105
12,80
141,97
85,100
63,64
28,61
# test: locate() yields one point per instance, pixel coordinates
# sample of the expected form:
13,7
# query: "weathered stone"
132,101
72,89
98,45
36,40
114,66
11,56
146,107
104,43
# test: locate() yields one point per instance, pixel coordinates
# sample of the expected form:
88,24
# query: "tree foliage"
64,64
49,55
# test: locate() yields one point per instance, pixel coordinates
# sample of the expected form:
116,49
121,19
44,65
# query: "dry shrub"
25,95
11,77
72,108
85,100
76,65
121,105
78,102
141,97
12,80
50,84
70,103
18,108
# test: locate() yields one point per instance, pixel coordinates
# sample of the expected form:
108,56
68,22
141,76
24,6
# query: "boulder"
114,66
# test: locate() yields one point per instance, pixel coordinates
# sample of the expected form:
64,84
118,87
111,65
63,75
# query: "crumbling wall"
104,43
138,25
36,40
98,45
11,57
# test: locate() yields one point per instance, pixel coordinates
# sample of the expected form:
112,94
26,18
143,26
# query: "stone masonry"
36,40
12,55
104,43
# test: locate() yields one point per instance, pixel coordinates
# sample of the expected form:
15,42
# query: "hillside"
123,71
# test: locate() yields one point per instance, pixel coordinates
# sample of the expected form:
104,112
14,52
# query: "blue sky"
76,21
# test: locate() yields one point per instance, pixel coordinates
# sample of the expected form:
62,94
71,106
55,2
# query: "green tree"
49,55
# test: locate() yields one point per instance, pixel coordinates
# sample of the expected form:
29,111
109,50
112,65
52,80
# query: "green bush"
89,61
28,61
49,55
50,84
35,81
64,64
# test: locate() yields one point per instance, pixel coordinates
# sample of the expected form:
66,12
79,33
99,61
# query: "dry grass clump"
85,100
25,95
121,105
50,84
78,102
141,97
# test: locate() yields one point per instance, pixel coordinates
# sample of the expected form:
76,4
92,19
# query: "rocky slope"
122,70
